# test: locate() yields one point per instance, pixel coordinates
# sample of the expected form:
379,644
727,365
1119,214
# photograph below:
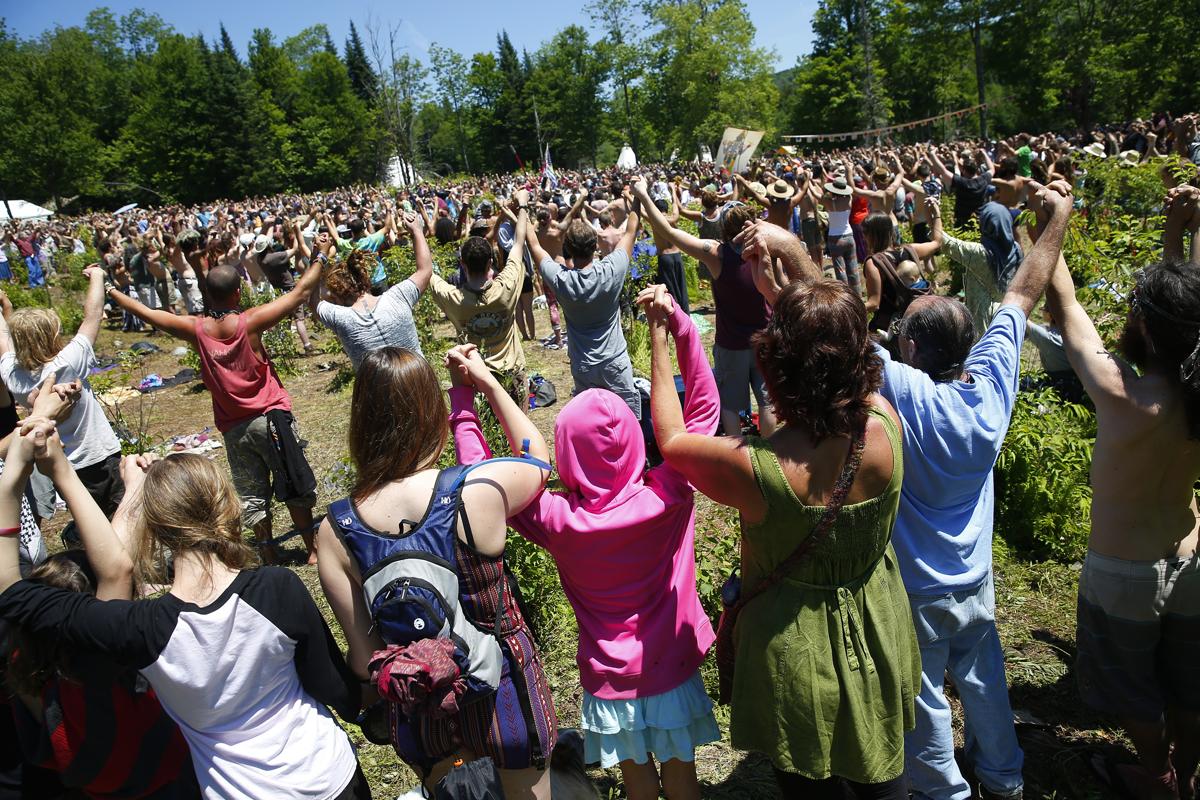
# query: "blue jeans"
957,633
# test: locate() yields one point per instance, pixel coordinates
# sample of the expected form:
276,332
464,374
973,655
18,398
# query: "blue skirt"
666,726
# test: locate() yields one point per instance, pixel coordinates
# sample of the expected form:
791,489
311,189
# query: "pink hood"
598,449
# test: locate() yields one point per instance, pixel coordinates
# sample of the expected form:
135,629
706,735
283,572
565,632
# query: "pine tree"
227,45
362,77
330,47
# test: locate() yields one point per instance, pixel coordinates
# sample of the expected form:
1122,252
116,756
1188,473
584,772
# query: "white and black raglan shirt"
247,678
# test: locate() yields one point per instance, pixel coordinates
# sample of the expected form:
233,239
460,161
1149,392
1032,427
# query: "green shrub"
70,315
1043,498
278,341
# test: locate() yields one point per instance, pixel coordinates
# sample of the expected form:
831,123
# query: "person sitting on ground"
398,429
364,322
589,290
251,407
483,308
956,397
31,348
623,539
239,656
63,693
817,357
1139,592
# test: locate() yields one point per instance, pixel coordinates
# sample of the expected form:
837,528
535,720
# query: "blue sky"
466,25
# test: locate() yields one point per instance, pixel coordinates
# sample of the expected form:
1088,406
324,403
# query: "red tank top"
242,384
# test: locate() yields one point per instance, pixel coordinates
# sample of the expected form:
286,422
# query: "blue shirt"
953,432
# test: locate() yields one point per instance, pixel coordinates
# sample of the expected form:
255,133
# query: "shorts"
737,375
104,483
921,232
1138,636
810,231
255,462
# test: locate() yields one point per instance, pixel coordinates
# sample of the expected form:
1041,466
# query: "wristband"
4,532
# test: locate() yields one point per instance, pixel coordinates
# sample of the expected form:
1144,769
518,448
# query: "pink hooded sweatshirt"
623,537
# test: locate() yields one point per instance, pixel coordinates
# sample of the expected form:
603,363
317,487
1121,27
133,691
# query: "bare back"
1143,470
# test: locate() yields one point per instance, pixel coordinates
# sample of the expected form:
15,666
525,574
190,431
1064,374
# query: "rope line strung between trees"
821,137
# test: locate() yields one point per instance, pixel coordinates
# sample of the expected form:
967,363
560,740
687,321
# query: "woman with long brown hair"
827,661
398,430
238,655
363,322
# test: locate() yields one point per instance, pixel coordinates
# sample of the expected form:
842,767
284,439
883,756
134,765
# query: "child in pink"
623,537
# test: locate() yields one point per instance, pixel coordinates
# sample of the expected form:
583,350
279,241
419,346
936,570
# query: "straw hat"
780,190
839,186
1096,150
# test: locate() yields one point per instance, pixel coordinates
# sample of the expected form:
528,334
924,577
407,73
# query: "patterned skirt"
516,727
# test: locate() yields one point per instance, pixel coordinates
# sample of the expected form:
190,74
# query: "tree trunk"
977,42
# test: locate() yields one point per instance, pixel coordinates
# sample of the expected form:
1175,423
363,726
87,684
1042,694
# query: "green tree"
450,73
565,84
362,77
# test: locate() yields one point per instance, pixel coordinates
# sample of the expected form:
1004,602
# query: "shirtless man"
550,231
1138,629
810,224
1010,186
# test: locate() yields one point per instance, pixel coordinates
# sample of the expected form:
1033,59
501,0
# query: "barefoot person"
251,407
1139,594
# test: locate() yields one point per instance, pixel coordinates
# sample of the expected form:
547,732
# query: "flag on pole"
549,178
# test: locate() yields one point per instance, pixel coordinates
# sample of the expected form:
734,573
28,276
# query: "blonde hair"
36,335
188,504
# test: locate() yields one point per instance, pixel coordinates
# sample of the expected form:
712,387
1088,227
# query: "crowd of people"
864,485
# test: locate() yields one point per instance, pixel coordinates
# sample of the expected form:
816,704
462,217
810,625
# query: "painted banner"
737,148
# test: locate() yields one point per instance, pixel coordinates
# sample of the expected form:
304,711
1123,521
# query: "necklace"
223,313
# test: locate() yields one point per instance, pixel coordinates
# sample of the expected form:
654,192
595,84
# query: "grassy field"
1035,601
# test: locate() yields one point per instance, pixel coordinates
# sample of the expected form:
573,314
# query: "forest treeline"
127,108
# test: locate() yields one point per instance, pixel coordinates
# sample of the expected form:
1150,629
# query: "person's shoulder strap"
895,439
832,509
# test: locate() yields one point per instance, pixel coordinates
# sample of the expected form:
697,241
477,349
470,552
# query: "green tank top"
831,647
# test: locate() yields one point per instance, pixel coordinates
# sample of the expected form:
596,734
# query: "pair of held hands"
37,440
1182,207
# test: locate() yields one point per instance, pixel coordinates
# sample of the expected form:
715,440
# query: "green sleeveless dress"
827,660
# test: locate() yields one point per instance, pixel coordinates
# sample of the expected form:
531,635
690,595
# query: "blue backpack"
410,582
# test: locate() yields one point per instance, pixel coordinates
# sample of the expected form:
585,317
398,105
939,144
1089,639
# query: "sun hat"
839,186
261,242
780,190
1096,150
1130,158
246,239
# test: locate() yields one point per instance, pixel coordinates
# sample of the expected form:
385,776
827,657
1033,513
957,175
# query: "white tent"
23,209
627,160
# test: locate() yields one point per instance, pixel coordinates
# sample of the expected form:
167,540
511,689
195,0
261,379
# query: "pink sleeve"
702,404
472,448
469,443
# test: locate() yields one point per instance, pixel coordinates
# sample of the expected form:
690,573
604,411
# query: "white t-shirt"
86,435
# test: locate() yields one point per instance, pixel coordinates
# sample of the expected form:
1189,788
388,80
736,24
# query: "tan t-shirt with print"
487,318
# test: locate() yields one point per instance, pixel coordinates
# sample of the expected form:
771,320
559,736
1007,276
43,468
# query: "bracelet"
9,531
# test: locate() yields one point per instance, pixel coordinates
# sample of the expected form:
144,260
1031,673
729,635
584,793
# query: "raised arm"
181,327
1034,274
781,245
264,317
535,246
565,222
420,252
717,466
1182,204
945,175
93,304
107,553
704,250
